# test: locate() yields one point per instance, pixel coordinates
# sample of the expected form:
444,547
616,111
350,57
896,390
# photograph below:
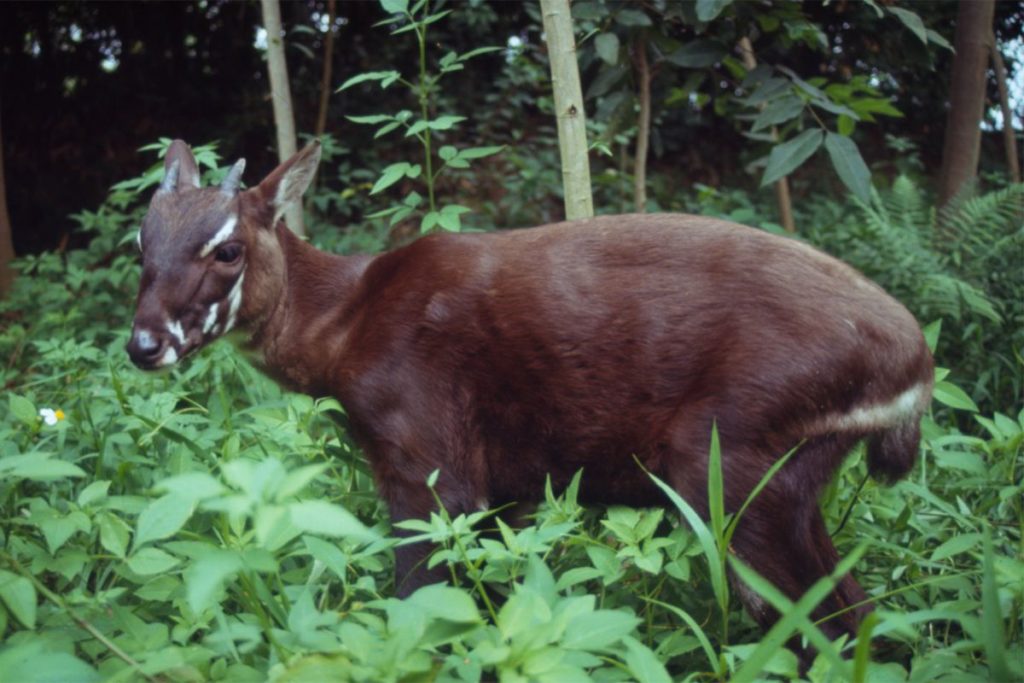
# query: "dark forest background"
84,85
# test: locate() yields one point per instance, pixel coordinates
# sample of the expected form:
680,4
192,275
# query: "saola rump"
503,358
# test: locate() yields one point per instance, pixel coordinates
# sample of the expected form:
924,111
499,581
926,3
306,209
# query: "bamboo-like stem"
572,123
643,135
281,97
782,196
1009,136
325,75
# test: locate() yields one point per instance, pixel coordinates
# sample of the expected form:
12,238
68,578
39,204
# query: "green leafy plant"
423,126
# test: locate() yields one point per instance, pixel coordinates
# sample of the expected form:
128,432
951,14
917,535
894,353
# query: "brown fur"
504,358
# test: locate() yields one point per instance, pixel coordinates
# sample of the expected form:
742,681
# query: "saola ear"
180,169
286,184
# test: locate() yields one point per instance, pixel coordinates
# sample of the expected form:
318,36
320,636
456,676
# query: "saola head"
211,259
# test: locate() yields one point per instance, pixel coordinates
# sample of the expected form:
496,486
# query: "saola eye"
228,253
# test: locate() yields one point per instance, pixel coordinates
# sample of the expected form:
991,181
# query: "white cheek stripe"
211,319
174,327
170,357
234,302
222,236
903,408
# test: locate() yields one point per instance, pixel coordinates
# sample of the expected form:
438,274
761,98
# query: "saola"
501,359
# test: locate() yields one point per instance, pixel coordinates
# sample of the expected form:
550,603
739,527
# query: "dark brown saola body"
501,359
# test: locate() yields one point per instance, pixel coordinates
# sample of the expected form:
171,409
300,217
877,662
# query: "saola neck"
316,290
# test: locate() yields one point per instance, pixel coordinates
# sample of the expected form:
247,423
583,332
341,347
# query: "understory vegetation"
202,525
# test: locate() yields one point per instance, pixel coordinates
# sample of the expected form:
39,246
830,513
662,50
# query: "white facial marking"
222,236
234,302
170,357
211,319
174,327
145,338
897,411
138,239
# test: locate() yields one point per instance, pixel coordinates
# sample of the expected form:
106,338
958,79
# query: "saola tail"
893,451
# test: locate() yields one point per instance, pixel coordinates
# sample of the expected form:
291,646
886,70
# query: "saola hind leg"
786,542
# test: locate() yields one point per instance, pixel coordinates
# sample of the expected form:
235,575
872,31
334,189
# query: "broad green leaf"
479,152
207,575
788,156
632,17
162,518
326,519
395,6
607,46
955,546
444,602
37,467
94,492
447,153
390,175
953,396
386,77
912,21
931,333
849,165
845,124
274,526
598,629
698,54
23,409
191,486
445,122
644,664
328,553
152,561
35,661
298,479
19,595
521,612
778,111
372,119
709,9
114,533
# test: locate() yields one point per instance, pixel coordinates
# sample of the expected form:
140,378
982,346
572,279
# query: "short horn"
170,181
229,185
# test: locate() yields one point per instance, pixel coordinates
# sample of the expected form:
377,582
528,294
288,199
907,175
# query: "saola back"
501,359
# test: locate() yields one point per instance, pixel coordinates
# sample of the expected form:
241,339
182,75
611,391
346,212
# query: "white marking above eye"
211,319
138,239
222,236
174,327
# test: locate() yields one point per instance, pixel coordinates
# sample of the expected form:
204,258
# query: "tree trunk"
572,124
643,134
782,197
962,143
1009,136
280,94
6,239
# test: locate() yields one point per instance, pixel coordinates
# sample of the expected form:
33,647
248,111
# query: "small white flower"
51,416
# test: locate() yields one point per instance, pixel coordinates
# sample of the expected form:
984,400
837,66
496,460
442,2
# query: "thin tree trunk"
325,77
643,134
1009,136
962,144
280,94
572,124
782,197
6,238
